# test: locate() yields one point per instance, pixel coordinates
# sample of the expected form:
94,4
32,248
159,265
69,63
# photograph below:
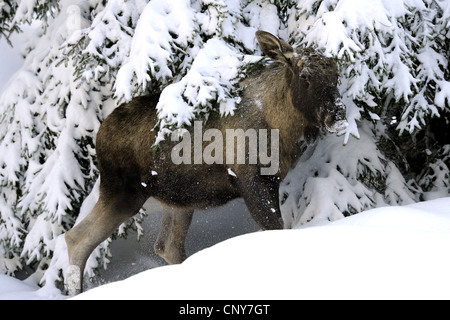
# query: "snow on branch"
169,51
164,29
211,79
331,181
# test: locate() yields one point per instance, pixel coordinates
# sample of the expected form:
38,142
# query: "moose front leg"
260,194
175,224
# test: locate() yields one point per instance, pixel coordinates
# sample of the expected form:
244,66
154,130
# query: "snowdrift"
385,253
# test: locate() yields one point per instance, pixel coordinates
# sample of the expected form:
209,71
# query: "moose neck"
280,113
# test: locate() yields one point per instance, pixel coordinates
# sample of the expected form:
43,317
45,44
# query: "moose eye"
305,79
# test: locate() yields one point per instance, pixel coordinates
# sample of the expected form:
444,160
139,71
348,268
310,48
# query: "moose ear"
275,48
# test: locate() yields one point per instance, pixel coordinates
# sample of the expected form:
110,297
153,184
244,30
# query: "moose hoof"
172,255
74,280
159,248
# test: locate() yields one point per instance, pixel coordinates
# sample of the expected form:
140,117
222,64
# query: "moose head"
313,81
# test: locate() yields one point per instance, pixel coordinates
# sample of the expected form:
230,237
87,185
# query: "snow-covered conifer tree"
393,58
83,59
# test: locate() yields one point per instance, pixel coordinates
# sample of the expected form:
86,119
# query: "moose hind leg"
170,244
97,226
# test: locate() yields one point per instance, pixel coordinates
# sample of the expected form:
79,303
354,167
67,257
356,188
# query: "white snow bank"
13,289
385,253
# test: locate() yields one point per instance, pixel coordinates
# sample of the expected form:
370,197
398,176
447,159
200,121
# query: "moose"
296,94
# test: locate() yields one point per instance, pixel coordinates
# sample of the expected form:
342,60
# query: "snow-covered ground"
385,253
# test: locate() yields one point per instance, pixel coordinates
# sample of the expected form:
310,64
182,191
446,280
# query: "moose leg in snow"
260,194
97,226
175,224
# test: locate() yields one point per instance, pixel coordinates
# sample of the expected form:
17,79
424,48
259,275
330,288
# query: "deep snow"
384,253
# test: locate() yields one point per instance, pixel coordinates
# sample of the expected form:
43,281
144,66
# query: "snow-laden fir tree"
85,58
393,58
